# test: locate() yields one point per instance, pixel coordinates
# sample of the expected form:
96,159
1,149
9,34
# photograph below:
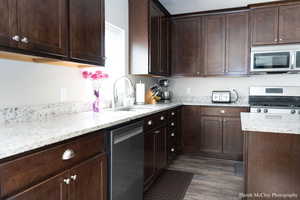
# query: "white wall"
204,86
23,83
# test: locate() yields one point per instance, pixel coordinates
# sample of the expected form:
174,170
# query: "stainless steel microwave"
279,58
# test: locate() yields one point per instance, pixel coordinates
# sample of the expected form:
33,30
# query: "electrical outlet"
188,91
63,94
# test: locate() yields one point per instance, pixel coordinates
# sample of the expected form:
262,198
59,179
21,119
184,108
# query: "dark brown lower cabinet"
272,164
52,188
211,134
155,154
213,131
89,180
232,137
149,156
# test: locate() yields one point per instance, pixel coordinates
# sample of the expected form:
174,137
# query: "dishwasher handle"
127,135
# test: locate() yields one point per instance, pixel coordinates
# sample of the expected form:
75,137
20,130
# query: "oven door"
271,61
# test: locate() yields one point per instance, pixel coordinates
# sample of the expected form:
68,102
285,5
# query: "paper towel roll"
140,93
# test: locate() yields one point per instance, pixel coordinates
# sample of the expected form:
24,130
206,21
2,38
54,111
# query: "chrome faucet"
130,95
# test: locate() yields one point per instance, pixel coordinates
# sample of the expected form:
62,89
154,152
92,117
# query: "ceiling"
186,6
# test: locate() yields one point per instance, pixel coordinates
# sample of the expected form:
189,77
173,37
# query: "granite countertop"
22,137
271,123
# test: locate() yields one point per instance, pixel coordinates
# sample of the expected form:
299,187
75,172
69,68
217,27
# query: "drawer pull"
16,38
67,181
157,132
162,118
173,113
74,177
68,154
172,124
150,122
172,150
222,111
172,134
24,40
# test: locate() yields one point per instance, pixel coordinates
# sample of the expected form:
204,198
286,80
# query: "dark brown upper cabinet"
264,26
87,28
8,27
226,44
149,38
186,46
42,26
55,29
289,24
237,43
214,45
276,24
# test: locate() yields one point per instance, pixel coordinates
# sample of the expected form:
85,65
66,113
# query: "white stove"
276,100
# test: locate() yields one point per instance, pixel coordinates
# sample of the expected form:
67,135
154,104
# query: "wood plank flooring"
214,179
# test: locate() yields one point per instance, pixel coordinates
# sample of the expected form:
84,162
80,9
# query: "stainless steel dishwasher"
127,162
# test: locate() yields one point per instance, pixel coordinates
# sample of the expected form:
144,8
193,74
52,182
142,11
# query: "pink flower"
98,72
85,74
105,75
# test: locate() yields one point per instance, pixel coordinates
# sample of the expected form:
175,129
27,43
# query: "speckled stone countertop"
215,104
22,137
271,123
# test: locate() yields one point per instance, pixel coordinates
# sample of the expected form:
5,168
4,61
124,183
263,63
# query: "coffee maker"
165,93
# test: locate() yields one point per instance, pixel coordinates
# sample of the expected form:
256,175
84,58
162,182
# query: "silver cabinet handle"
172,113
172,134
172,124
162,118
222,111
67,181
74,177
280,39
275,40
150,122
157,132
16,38
172,150
68,154
25,40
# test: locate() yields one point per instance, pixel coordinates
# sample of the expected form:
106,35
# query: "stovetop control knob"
299,112
265,110
293,111
258,110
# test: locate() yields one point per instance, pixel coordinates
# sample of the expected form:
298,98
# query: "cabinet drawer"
155,121
20,173
223,111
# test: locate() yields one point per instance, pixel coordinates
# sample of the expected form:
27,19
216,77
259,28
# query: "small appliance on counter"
225,96
165,93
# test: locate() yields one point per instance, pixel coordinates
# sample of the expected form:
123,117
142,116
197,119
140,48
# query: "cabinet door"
211,134
8,26
164,54
43,26
233,137
237,43
53,188
191,129
264,26
161,149
289,24
186,46
214,45
87,29
149,156
89,179
155,16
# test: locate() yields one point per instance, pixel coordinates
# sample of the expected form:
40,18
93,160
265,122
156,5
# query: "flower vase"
96,104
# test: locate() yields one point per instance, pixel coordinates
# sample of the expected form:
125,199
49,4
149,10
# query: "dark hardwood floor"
213,180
